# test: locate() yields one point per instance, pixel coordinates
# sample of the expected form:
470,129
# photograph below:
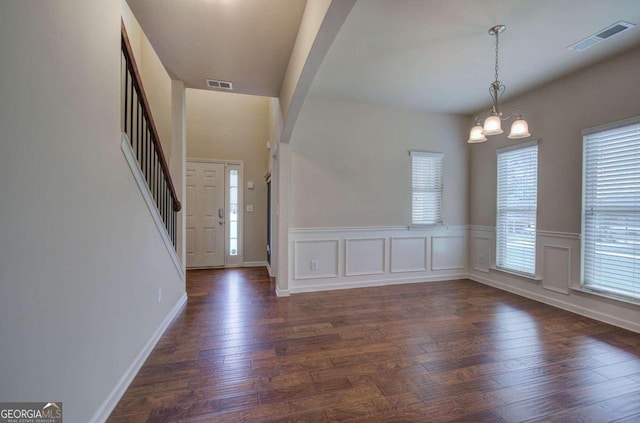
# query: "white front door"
205,214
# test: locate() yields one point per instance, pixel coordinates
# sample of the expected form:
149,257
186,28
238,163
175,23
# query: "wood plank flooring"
443,351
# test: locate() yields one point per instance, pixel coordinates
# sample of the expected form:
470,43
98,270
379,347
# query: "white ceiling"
436,55
432,55
247,42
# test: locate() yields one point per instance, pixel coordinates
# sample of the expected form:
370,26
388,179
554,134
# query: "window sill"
606,295
514,273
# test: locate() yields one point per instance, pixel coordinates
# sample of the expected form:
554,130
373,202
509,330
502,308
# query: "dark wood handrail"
137,81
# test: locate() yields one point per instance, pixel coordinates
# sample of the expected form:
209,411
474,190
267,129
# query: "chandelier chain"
497,35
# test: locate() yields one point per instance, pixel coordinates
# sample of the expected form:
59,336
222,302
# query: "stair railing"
138,124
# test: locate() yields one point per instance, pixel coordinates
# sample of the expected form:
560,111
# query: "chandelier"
493,123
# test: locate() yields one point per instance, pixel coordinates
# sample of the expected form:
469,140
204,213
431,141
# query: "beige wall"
225,126
350,164
321,21
275,131
177,163
275,127
81,259
312,18
155,79
557,113
166,100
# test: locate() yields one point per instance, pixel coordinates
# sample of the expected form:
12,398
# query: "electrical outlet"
314,264
159,295
482,259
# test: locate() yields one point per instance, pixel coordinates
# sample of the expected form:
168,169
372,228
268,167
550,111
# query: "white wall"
557,113
350,164
227,126
350,197
81,260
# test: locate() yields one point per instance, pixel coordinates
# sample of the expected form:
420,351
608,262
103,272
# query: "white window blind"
516,209
611,211
427,175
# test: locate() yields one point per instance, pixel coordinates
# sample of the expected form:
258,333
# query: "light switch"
249,208
250,185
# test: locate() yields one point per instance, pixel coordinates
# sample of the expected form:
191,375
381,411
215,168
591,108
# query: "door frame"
230,261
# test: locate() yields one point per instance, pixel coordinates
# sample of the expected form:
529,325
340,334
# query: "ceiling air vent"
221,85
600,36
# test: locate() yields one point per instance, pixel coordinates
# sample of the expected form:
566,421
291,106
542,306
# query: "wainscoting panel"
364,256
448,252
371,256
408,254
556,265
481,254
322,253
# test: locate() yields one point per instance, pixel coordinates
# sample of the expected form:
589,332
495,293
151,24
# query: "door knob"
221,223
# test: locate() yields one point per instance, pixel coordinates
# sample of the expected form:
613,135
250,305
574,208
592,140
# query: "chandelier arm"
500,93
518,113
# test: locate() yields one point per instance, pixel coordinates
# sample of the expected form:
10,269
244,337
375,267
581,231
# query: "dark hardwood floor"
444,351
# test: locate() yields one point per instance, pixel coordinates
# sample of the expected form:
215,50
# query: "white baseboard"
269,270
282,292
593,314
371,283
105,409
254,264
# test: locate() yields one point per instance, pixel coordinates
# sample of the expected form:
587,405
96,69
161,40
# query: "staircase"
142,135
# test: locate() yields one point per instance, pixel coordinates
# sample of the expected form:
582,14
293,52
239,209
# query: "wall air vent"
600,36
221,85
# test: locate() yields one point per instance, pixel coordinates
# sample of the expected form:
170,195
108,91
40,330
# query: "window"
611,209
426,187
233,212
516,208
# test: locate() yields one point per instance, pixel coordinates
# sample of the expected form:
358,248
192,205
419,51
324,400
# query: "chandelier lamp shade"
493,123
